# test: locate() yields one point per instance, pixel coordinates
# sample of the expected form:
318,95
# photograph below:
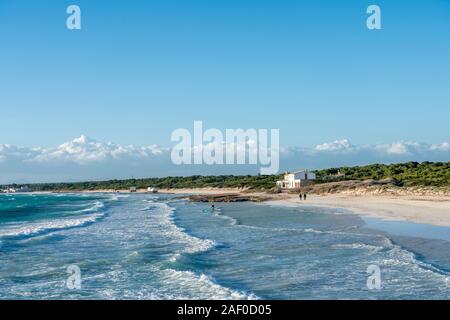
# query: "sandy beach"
171,191
427,209
205,191
432,210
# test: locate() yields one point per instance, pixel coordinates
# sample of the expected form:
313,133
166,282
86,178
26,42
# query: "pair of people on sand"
302,196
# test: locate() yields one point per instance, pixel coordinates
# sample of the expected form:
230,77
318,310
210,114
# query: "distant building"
296,180
133,189
15,190
333,177
23,189
152,190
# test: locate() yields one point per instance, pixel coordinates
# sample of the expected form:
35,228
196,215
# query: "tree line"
406,174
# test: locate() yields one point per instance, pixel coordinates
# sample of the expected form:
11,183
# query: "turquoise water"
156,247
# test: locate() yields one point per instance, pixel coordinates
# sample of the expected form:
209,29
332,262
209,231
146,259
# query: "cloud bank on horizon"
88,159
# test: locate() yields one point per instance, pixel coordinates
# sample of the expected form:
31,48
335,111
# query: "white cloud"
84,150
338,145
396,148
344,153
8,151
445,146
88,159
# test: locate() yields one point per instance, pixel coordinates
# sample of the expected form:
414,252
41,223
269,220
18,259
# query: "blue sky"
140,69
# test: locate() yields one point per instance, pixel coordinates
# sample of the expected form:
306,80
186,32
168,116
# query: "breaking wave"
89,215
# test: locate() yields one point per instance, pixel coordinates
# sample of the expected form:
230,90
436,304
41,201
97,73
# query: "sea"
154,246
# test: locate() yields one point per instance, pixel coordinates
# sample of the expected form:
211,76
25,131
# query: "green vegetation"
406,174
254,182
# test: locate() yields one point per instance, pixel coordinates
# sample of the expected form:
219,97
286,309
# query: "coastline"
433,210
417,208
422,209
281,236
202,191
256,236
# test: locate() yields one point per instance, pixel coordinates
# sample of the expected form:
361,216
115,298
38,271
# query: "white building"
296,180
23,189
152,190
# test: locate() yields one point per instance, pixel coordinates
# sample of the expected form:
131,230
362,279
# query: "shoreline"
417,208
422,209
428,210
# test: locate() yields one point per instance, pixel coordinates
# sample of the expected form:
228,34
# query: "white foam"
132,255
218,213
186,284
201,286
35,228
164,217
360,246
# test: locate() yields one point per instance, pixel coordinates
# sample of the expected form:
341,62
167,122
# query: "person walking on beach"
304,196
300,196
